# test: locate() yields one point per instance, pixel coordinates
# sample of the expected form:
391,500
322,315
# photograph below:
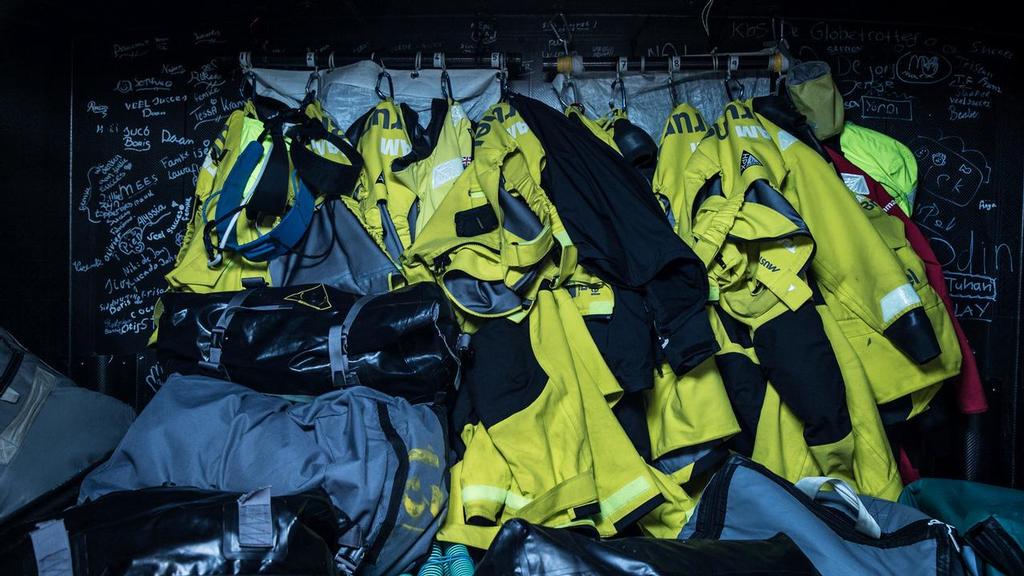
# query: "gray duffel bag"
381,460
51,433
840,532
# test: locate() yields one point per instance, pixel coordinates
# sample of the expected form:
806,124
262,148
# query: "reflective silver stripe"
10,439
898,300
255,523
52,549
337,345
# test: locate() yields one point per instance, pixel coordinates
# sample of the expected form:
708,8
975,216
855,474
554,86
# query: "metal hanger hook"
446,85
391,84
621,86
569,85
314,77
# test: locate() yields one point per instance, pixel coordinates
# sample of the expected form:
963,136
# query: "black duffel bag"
524,549
308,340
160,531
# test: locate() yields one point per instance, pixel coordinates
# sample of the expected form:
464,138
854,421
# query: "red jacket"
970,393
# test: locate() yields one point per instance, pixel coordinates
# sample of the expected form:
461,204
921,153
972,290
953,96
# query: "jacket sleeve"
485,480
853,260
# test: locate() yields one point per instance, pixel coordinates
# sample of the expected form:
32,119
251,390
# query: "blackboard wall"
950,94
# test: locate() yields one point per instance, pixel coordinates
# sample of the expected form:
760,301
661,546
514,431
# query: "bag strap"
255,521
337,345
270,196
52,549
325,177
865,523
217,333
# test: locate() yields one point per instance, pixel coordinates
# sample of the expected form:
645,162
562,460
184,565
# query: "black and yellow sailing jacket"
547,447
763,229
904,383
677,422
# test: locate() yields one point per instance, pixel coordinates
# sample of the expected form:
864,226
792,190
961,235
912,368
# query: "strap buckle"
217,337
350,551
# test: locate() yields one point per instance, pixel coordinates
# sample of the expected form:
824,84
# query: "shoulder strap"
325,177
337,345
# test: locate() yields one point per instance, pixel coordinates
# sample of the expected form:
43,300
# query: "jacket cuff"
913,334
691,344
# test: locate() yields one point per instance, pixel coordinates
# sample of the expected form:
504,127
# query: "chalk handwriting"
133,50
884,108
95,108
208,76
207,37
136,139
167,137
960,173
915,68
151,84
970,286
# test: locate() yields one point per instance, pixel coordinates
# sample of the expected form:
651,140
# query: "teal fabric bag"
991,518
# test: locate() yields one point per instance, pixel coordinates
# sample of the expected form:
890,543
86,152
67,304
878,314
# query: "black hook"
391,85
446,85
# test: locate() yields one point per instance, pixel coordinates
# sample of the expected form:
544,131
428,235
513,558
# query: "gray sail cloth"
336,251
381,460
744,501
51,431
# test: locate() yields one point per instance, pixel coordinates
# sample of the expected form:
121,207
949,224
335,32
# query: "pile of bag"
396,347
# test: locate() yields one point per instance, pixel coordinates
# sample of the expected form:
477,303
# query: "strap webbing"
255,522
52,549
270,197
325,177
337,345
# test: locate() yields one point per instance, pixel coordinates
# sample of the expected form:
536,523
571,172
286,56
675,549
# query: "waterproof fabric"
811,87
683,131
744,501
312,339
990,517
51,431
381,460
546,446
785,429
160,531
523,549
886,159
385,133
914,250
585,181
764,218
436,161
195,269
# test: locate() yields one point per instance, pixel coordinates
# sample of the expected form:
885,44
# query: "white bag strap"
865,524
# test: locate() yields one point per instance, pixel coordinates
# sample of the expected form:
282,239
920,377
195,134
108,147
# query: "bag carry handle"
865,524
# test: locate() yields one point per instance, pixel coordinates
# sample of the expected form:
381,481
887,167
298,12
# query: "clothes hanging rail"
771,60
419,61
